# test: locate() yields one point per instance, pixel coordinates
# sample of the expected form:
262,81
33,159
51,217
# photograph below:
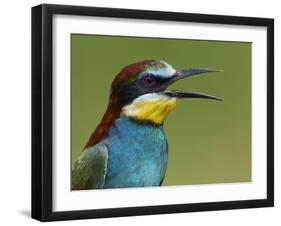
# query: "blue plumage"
138,154
128,148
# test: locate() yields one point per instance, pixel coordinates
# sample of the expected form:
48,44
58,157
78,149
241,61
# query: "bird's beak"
187,94
180,74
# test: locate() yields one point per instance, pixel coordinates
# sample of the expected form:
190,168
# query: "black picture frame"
42,111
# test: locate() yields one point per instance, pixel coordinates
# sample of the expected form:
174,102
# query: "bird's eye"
148,79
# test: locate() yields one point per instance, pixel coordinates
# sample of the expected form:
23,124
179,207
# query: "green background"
209,141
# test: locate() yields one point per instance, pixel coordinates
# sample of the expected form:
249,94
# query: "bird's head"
140,90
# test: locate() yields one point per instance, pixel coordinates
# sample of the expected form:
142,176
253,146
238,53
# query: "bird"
129,148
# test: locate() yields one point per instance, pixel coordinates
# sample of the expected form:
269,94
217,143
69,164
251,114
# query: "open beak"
187,94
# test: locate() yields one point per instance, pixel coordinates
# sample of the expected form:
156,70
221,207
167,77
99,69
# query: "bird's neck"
111,114
152,108
149,108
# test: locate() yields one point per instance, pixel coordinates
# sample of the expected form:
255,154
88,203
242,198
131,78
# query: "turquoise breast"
137,154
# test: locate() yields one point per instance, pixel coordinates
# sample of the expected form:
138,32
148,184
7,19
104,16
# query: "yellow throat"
150,107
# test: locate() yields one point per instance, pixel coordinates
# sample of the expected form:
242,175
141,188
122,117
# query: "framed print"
145,112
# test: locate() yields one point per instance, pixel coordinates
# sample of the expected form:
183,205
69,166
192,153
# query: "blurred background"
209,141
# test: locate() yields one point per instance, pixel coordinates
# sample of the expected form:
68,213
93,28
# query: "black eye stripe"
148,79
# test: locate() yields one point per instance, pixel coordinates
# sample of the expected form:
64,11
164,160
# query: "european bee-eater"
129,148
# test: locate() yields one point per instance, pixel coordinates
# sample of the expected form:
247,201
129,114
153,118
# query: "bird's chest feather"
137,154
